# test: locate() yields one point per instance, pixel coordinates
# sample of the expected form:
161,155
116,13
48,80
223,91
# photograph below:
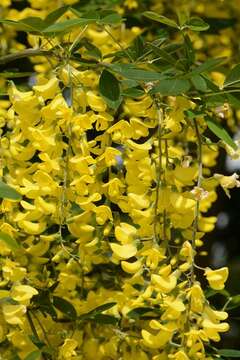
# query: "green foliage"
35,355
109,86
160,18
220,132
9,241
65,307
229,353
7,192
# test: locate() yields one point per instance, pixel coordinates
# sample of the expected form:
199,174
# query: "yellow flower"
164,283
12,271
180,355
47,90
13,314
23,293
174,308
212,329
196,298
228,182
125,233
110,156
217,278
95,102
21,341
122,252
103,213
131,267
120,132
161,339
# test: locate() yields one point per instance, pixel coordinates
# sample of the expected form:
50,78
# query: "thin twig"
199,181
159,170
25,53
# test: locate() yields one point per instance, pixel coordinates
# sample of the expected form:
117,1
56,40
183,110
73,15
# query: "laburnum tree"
107,150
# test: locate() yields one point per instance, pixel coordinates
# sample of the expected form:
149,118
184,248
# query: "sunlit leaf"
199,83
220,132
9,74
160,18
230,353
7,192
111,19
207,66
233,77
171,87
9,241
55,15
197,24
133,92
35,355
131,72
67,25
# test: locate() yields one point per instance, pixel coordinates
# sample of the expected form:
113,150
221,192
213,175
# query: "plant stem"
199,181
159,169
77,38
42,328
22,54
34,331
119,44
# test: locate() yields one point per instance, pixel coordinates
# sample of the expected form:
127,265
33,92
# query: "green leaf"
35,355
137,48
8,300
105,319
233,100
208,65
67,25
131,72
220,132
133,92
98,310
189,50
139,312
36,23
109,86
230,353
88,15
40,344
9,74
234,303
7,192
92,50
171,87
43,302
210,292
196,24
233,77
55,15
114,104
160,18
163,54
103,307
199,83
20,25
9,241
111,19
65,307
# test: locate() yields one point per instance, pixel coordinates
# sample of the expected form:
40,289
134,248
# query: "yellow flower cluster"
111,217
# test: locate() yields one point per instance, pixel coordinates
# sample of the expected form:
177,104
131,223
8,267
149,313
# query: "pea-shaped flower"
217,278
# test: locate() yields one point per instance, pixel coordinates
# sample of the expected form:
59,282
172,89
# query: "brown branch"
22,54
